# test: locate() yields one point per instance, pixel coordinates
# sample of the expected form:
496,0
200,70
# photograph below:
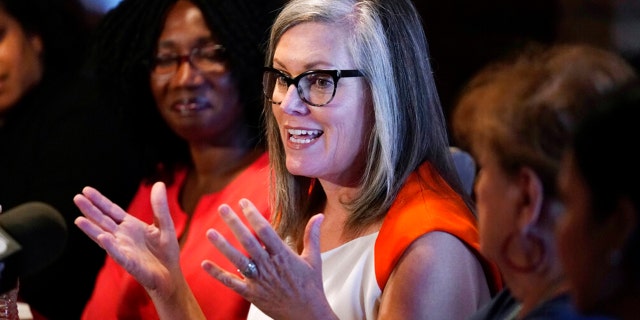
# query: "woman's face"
582,242
326,142
497,198
198,100
20,65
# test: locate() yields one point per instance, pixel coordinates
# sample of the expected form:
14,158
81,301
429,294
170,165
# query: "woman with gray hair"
370,219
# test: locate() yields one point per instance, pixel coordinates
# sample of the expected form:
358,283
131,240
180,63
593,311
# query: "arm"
436,278
287,285
150,253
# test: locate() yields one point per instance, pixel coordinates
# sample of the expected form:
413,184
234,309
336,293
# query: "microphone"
32,236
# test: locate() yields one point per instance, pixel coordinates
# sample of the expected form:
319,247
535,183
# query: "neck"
212,171
222,161
333,232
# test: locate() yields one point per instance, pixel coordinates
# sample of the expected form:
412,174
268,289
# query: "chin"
299,169
296,171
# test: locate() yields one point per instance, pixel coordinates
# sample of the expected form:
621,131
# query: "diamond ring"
250,270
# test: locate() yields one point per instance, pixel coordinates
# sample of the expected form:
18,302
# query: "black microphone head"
41,235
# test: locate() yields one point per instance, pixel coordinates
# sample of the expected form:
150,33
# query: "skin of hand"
150,253
288,285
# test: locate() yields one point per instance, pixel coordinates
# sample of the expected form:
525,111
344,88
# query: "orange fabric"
427,203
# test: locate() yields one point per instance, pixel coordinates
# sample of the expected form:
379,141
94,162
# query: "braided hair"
125,41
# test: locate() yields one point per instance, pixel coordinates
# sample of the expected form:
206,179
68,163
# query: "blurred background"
99,6
466,34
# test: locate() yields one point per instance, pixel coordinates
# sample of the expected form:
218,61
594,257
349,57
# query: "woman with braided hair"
187,76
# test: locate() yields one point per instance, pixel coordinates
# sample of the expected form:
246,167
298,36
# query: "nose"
292,103
187,74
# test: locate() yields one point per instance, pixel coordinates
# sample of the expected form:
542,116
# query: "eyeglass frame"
179,60
336,74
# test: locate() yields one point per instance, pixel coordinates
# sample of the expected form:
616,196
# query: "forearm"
181,304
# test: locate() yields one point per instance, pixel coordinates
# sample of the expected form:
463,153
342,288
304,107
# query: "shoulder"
441,267
423,205
440,256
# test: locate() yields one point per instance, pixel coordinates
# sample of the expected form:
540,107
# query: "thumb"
311,241
159,204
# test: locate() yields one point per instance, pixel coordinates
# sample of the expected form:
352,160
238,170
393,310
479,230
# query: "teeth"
303,136
301,141
187,106
298,132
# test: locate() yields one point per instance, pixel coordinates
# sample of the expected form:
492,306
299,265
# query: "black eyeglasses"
209,58
315,87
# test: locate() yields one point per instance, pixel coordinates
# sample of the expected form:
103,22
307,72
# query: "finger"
94,215
111,246
229,251
246,238
105,240
263,229
161,213
104,204
229,279
89,228
311,240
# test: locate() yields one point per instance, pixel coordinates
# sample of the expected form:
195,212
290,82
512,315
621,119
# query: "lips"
190,105
303,136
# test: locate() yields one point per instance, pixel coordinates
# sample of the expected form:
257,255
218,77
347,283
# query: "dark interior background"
464,35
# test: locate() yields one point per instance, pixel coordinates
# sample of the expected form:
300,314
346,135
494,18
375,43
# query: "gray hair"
388,44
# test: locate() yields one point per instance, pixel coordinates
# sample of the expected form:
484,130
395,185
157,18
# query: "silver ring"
250,270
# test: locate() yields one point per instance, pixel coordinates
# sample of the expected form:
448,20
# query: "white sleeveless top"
349,280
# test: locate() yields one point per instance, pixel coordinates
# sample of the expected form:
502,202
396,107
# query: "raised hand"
150,253
283,284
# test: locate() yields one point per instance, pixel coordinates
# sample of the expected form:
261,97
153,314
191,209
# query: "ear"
621,224
36,42
531,198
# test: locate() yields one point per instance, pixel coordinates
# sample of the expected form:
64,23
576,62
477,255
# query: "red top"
118,296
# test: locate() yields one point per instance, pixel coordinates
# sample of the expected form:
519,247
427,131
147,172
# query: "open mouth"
303,136
190,105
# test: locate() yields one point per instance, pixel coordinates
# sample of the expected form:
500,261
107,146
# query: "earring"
535,261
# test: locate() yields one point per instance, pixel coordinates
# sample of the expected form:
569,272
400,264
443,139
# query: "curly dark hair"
61,26
125,41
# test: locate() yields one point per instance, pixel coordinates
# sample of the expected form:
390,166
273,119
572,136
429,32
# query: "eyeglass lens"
209,58
316,88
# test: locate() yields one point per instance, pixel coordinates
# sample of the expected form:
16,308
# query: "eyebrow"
318,65
171,44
